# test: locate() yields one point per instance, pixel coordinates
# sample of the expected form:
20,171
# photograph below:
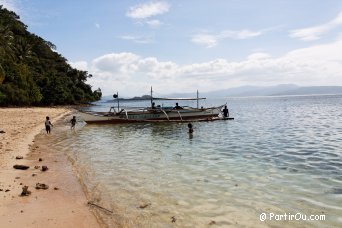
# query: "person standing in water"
48,125
191,130
225,112
73,122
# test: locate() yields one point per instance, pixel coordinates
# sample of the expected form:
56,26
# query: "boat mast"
197,100
151,97
117,98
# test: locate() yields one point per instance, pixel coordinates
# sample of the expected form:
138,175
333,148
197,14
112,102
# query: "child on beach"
48,125
191,130
73,122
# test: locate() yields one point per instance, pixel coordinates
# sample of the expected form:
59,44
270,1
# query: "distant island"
33,73
141,98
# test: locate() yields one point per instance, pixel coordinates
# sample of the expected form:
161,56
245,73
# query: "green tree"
32,72
2,74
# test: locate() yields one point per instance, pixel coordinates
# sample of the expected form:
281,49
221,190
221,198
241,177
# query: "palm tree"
22,49
6,40
2,74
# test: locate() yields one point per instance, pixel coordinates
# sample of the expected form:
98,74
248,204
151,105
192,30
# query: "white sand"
65,207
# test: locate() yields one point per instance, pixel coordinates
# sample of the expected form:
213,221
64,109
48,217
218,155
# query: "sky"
183,46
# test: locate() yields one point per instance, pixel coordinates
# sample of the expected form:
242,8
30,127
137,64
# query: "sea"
277,164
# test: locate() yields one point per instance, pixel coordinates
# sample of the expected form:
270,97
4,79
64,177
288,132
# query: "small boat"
155,113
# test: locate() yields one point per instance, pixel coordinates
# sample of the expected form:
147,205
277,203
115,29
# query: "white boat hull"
152,115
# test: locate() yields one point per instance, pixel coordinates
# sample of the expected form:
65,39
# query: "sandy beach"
63,204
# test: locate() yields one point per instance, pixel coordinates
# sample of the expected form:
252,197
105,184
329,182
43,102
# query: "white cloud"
240,35
97,25
133,74
138,39
115,62
211,40
10,5
147,10
80,65
315,32
258,56
153,23
205,39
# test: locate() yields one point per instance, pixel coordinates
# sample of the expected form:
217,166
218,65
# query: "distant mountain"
245,91
278,90
242,91
312,90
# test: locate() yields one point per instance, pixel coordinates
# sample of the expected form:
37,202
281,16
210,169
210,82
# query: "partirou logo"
290,217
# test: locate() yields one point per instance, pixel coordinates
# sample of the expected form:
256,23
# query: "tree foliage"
33,73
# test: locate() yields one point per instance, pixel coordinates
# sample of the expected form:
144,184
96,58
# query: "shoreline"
64,203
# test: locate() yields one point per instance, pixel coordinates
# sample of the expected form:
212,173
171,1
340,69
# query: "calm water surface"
280,155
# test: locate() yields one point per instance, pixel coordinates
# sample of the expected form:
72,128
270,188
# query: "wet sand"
63,204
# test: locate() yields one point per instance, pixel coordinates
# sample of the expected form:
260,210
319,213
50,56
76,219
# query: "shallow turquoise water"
279,155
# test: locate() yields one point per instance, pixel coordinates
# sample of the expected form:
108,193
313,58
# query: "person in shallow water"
190,129
73,122
48,125
225,112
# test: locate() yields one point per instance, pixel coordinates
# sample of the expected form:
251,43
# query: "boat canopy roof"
183,99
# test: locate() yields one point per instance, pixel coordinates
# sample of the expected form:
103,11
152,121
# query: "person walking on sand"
73,122
48,125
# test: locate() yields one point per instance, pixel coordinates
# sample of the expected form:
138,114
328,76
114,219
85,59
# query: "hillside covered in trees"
33,73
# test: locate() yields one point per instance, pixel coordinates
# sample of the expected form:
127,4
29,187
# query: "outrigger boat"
155,113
